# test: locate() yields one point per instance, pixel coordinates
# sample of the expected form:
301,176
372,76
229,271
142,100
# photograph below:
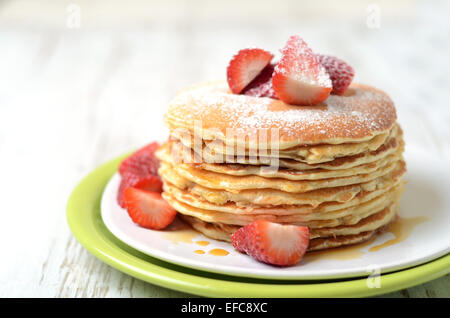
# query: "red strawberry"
245,66
122,187
341,74
150,183
139,170
272,243
148,209
141,163
261,86
299,78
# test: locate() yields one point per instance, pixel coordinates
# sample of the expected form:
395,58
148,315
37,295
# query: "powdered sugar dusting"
361,112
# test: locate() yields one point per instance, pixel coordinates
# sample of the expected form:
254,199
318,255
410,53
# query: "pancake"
326,210
362,113
223,232
292,174
318,244
310,154
167,154
186,154
271,197
180,153
372,223
183,175
230,214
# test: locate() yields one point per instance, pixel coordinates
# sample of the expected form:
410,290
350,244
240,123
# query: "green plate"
83,215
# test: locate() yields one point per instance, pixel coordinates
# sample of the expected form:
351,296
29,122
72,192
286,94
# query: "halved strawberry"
272,243
245,66
148,209
299,78
140,170
150,183
261,86
341,74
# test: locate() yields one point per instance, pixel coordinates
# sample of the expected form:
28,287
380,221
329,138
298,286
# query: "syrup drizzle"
180,232
218,252
401,229
202,243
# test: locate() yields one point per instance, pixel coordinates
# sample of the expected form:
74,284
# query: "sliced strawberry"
139,170
299,78
341,74
245,66
129,180
152,183
261,86
148,209
272,243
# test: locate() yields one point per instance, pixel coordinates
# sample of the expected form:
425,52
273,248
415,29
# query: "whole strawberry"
341,74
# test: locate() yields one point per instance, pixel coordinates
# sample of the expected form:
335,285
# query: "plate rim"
84,219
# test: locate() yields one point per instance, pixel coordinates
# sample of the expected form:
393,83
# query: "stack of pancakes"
335,167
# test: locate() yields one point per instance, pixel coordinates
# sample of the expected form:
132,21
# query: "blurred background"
84,81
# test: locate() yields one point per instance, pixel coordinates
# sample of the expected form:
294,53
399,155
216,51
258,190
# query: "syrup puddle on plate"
214,251
218,252
401,229
180,232
202,243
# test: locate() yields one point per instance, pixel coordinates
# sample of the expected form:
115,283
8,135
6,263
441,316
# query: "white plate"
427,195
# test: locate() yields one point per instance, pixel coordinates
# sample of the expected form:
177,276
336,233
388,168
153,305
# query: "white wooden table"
75,95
